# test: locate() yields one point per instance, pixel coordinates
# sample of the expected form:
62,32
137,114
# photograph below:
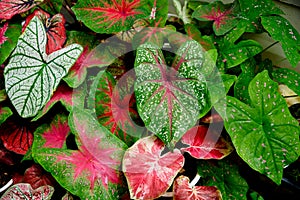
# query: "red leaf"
183,191
2,33
37,177
55,29
17,136
9,8
149,174
56,135
6,156
204,143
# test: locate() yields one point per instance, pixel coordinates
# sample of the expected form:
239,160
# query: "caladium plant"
144,99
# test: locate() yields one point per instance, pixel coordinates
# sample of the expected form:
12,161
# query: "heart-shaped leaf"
94,167
205,143
55,29
22,191
9,8
288,36
31,75
265,135
170,100
37,177
183,191
9,34
149,174
224,175
108,16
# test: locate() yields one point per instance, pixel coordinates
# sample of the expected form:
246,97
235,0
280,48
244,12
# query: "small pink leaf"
204,143
183,191
23,191
55,29
149,174
3,29
37,177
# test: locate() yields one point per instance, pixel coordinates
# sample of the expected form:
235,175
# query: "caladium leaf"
68,98
114,107
16,135
5,113
53,135
183,11
9,8
52,6
31,75
93,167
224,175
37,177
288,37
108,16
264,135
55,29
149,174
22,191
205,143
9,34
288,77
169,100
183,191
222,16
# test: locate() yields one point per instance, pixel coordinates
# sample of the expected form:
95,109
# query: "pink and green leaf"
103,16
183,191
94,167
205,143
149,174
222,16
52,6
22,191
9,34
9,8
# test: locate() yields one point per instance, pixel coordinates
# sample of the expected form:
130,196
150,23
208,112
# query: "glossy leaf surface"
149,174
288,77
264,135
5,112
31,75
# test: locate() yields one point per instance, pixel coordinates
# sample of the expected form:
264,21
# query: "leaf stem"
168,194
7,185
195,180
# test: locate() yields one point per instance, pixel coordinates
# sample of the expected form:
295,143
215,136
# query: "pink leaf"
204,143
37,177
9,8
2,33
149,174
183,191
55,29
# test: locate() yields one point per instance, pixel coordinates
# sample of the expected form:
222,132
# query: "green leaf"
265,135
12,34
31,75
52,6
169,100
225,176
182,11
109,16
288,36
5,112
288,77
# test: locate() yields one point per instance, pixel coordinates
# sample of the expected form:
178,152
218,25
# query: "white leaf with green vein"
31,75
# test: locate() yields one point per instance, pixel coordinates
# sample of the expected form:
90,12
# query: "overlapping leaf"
183,191
264,135
37,177
93,167
169,100
149,174
288,77
108,16
31,75
9,8
205,143
288,36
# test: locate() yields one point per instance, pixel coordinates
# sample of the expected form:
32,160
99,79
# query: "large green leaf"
225,176
288,77
288,36
31,75
265,135
170,99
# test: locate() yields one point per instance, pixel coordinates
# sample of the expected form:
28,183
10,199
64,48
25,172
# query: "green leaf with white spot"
170,99
288,36
288,77
264,134
31,75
